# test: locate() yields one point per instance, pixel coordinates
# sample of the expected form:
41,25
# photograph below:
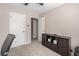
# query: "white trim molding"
23,43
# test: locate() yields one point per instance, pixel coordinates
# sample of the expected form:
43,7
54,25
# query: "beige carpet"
33,49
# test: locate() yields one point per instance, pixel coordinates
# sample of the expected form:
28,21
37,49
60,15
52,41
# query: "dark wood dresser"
59,44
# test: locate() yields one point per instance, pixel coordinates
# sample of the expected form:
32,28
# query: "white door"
17,27
41,27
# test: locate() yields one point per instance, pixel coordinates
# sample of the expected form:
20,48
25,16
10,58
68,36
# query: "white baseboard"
24,43
20,44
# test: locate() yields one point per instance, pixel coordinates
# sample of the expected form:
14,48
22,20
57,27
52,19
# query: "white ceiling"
36,7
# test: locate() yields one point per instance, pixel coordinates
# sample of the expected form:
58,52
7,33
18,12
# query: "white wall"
4,21
41,27
64,20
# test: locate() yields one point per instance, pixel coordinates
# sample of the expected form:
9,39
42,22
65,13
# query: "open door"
34,28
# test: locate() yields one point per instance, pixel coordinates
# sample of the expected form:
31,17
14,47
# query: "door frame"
32,18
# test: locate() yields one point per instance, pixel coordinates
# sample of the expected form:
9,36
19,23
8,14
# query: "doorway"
34,29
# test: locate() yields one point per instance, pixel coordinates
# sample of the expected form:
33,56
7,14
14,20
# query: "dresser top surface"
61,36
